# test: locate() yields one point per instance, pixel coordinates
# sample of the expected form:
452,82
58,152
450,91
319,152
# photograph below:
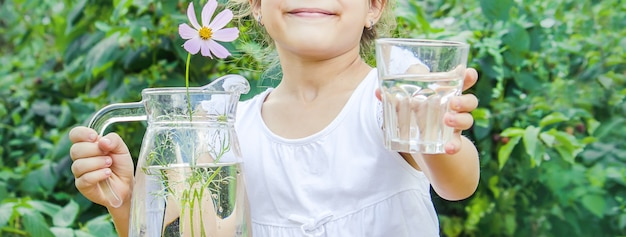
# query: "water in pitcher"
196,200
414,108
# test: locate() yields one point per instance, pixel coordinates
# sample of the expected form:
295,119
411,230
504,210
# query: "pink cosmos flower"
204,37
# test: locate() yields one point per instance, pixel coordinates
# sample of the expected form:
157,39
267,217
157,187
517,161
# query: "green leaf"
478,207
496,10
80,233
101,225
597,176
517,43
493,186
62,231
67,215
534,148
102,55
505,151
552,118
510,224
4,193
622,221
531,138
481,117
5,209
482,122
558,212
452,226
606,128
566,145
40,180
517,39
35,224
47,208
527,81
121,8
547,138
592,125
75,15
512,132
595,204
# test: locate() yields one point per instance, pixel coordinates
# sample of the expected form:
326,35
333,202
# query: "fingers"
464,103
90,180
109,144
471,76
90,171
459,121
85,149
453,146
82,166
83,134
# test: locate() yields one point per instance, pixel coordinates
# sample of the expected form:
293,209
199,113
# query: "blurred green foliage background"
550,125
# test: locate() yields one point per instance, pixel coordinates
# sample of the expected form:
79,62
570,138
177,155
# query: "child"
312,147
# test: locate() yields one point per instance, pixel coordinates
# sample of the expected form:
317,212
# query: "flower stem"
187,86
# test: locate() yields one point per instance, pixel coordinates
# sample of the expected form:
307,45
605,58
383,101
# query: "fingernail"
108,162
107,172
93,136
450,148
451,119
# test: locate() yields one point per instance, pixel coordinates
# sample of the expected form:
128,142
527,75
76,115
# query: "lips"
310,12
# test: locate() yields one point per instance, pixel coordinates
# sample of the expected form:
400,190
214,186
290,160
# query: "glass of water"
417,80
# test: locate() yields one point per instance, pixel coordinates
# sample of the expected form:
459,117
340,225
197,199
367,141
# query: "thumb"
454,145
377,93
113,144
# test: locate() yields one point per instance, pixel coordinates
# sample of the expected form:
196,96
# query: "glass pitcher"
188,180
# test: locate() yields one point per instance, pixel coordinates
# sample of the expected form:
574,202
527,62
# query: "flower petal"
207,12
191,14
186,32
205,48
221,20
218,50
193,45
226,35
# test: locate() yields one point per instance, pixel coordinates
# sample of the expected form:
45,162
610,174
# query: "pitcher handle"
121,112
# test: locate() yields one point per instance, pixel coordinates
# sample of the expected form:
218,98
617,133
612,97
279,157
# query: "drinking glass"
417,80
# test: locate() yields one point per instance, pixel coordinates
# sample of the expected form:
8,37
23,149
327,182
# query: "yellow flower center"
205,33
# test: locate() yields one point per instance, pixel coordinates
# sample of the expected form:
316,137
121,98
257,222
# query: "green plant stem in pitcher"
202,180
187,86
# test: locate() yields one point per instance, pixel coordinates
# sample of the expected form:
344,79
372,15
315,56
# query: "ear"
375,12
255,8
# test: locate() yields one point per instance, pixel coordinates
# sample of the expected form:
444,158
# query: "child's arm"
454,175
97,159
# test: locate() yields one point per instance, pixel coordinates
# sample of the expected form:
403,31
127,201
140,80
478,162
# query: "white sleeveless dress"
339,182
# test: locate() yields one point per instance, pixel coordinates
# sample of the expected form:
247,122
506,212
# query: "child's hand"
97,159
463,105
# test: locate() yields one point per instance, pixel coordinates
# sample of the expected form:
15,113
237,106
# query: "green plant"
549,127
63,60
551,89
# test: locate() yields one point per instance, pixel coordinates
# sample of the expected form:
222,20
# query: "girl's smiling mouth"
310,12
